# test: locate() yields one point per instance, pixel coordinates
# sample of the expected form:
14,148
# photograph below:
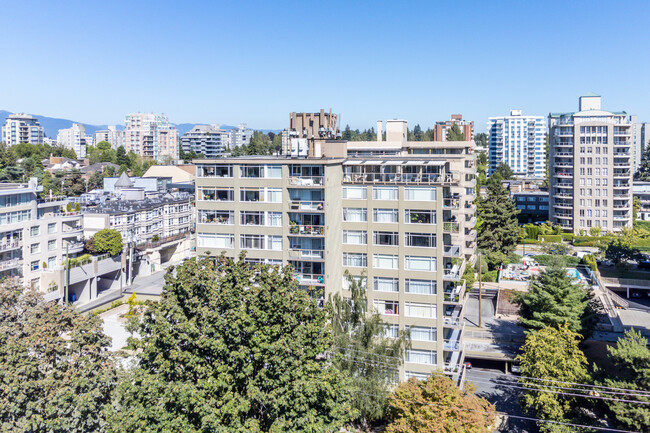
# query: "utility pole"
67,274
121,271
480,292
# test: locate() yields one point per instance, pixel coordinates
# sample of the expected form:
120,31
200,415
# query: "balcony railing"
454,292
53,199
309,279
451,203
564,185
306,205
452,322
303,230
451,227
306,254
10,245
451,251
451,344
400,178
10,264
306,181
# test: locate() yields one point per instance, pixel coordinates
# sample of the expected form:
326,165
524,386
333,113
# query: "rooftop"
116,207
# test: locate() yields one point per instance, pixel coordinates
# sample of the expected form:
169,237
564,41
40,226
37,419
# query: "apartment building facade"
150,135
22,128
111,135
208,140
239,136
441,128
590,177
397,215
518,141
75,138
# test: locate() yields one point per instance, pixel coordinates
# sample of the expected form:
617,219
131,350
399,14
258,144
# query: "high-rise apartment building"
150,135
208,140
111,135
466,127
240,136
398,216
75,138
590,173
22,128
518,141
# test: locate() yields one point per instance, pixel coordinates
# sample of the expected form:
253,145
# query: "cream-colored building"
590,172
399,215
150,135
75,138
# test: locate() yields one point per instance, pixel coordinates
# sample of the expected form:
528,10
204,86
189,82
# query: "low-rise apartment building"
397,215
208,140
150,135
642,194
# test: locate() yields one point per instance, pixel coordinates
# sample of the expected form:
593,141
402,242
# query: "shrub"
590,241
108,241
490,277
532,241
68,207
567,237
469,277
551,238
590,261
77,207
495,259
566,261
514,258
532,231
155,238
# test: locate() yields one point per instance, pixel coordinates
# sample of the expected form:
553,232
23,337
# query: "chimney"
380,130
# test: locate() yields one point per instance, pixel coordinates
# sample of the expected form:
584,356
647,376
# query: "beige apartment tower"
590,172
397,215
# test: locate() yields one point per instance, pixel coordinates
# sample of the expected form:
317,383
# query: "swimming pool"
573,273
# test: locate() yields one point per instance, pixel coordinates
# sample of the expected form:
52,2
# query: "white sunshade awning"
353,163
415,163
372,163
393,163
438,163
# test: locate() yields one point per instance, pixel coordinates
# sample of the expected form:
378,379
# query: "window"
249,194
419,193
414,216
216,216
416,374
251,218
385,261
385,215
417,356
420,287
214,170
51,228
35,231
385,193
416,263
34,265
51,262
391,331
51,245
422,333
355,214
35,248
215,194
358,260
254,171
215,240
274,195
386,307
274,243
355,192
385,238
422,240
355,237
417,309
253,242
360,280
273,171
274,219
384,284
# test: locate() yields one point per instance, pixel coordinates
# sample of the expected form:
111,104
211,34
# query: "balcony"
309,279
564,185
562,195
563,215
621,217
454,293
452,271
563,164
621,195
625,173
450,227
563,174
303,230
409,178
12,245
622,164
621,185
621,153
451,203
6,265
451,345
306,254
451,251
306,181
560,205
453,322
306,206
564,153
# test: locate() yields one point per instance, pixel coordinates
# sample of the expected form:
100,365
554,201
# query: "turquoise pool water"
573,273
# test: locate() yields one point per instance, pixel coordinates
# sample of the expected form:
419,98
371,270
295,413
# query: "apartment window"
420,287
391,331
215,194
417,263
214,171
385,261
385,215
273,171
422,333
424,216
358,279
386,307
51,228
34,265
355,237
216,216
215,240
419,193
416,374
35,231
385,284
352,214
51,245
254,171
251,218
51,262
274,243
385,193
274,195
355,192
418,309
252,242
35,248
385,238
357,260
249,194
274,219
423,240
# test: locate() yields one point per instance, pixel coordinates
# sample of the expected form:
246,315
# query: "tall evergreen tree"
643,172
367,354
455,134
120,158
504,171
498,229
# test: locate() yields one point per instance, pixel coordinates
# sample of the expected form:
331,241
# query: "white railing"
306,254
306,181
306,205
309,279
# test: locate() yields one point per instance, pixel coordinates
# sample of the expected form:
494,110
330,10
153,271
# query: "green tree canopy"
55,372
504,171
552,354
498,230
481,139
121,158
436,404
455,134
232,347
643,172
108,241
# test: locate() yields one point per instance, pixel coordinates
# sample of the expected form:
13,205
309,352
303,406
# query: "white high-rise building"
150,135
22,128
518,141
75,138
111,135
208,140
240,136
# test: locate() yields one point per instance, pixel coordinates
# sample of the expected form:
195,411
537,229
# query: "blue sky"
254,62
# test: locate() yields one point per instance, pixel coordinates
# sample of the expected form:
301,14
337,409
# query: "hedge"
489,277
568,261
551,238
589,241
567,237
531,241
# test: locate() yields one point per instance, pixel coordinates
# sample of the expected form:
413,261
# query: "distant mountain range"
51,125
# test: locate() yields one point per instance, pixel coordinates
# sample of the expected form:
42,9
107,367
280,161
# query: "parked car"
644,264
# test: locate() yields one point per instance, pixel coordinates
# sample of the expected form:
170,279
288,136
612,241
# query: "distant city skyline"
375,61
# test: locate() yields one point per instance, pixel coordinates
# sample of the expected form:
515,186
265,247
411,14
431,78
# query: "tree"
347,133
455,134
619,250
643,173
120,157
108,241
552,354
553,299
232,347
55,372
73,183
367,355
481,139
436,404
631,361
498,230
504,171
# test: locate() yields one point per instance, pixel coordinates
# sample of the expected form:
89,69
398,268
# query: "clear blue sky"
235,61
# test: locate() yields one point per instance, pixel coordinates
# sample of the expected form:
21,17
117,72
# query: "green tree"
232,347
367,355
643,172
620,249
481,139
73,183
436,404
121,158
104,145
498,230
96,181
631,361
504,171
455,134
8,156
347,133
553,299
55,372
108,241
552,354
